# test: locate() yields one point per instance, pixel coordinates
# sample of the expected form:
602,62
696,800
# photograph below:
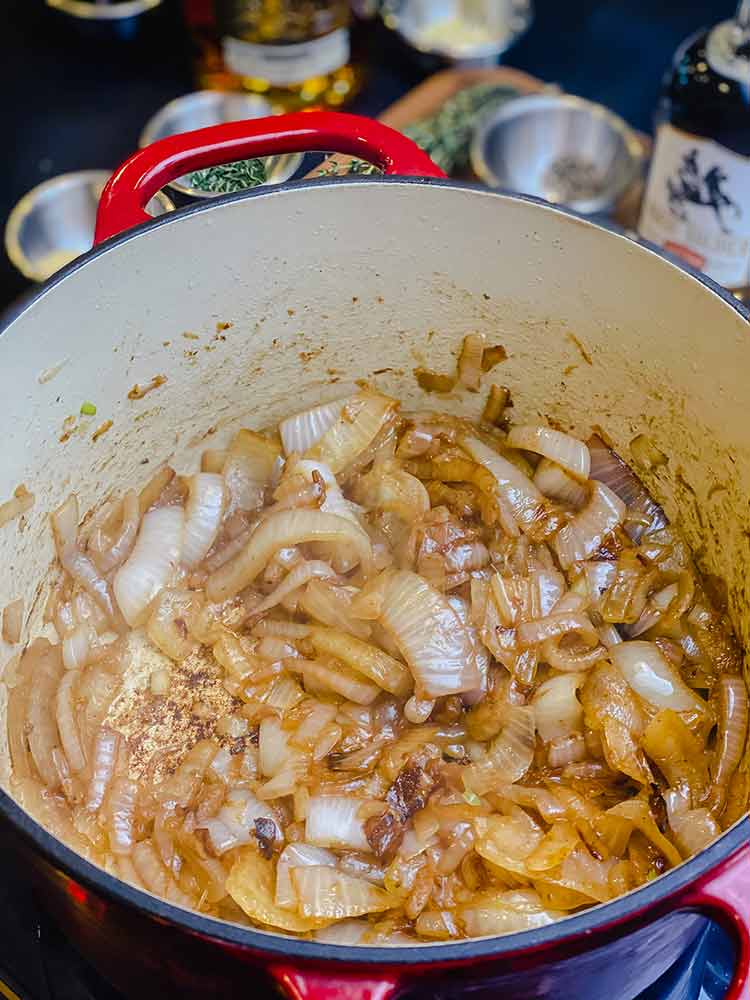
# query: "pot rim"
598,918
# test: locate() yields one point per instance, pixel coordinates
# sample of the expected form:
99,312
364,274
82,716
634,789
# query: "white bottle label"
697,205
282,65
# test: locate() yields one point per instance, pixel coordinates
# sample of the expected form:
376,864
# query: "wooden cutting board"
427,98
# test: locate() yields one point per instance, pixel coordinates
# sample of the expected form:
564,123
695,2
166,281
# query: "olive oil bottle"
296,53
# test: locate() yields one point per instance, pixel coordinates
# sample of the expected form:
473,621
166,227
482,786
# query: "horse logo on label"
691,187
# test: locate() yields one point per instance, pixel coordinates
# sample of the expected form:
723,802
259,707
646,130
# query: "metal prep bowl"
54,223
546,144
211,107
465,32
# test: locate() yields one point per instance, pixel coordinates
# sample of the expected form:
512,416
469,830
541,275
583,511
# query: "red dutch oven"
325,282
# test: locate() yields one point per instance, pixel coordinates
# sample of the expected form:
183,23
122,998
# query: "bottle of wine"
297,53
697,201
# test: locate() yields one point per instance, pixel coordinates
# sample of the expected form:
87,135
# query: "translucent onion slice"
431,636
557,484
234,824
390,488
557,711
155,876
609,468
298,577
365,659
639,814
250,883
334,501
169,624
121,815
285,528
45,667
346,932
67,725
115,553
517,490
297,856
333,821
77,646
511,753
151,564
693,829
203,512
273,746
730,700
506,913
652,676
581,537
252,465
360,421
568,452
300,432
332,605
470,361
106,746
332,675
64,522
326,893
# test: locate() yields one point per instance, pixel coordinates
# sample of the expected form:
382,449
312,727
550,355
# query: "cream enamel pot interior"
324,283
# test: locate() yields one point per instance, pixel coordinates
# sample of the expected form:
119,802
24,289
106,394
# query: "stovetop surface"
37,963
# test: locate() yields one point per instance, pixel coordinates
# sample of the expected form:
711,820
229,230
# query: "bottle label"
697,205
282,65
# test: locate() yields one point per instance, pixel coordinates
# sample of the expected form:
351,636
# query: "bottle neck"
728,46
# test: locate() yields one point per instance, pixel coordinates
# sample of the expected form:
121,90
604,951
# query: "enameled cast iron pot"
324,283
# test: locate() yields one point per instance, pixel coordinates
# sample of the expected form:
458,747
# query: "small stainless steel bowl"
465,32
561,148
211,107
54,223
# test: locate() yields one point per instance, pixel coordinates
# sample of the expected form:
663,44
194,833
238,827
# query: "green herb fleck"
230,177
471,798
88,409
651,874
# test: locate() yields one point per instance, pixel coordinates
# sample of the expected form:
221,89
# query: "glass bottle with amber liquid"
296,53
697,201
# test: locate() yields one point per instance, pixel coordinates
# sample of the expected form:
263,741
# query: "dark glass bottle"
697,201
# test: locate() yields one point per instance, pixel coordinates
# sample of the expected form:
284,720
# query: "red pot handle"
298,984
724,895
133,184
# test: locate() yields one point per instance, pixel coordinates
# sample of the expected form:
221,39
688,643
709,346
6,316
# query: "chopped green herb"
471,798
651,874
88,409
230,177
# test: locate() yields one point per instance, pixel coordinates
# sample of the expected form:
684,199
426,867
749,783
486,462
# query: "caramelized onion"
300,432
203,513
429,633
151,564
280,530
566,451
581,538
359,423
653,677
731,700
557,484
517,490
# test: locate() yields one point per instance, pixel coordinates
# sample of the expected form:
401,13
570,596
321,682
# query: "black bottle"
697,201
